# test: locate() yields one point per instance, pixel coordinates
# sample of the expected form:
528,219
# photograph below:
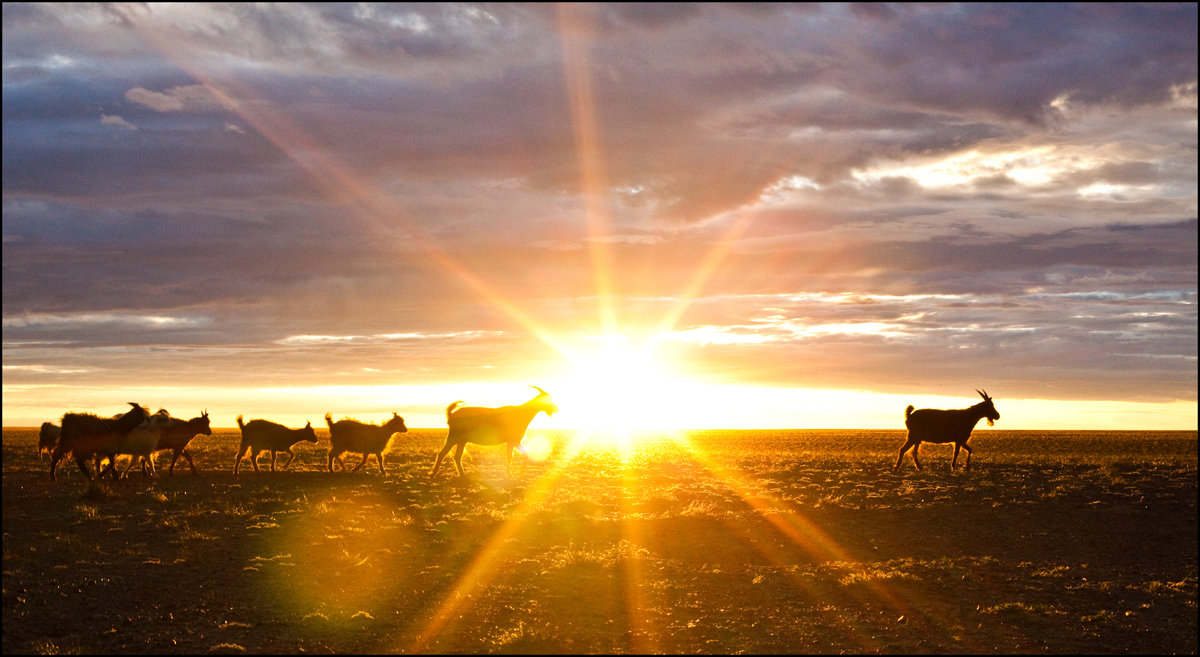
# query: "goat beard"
990,422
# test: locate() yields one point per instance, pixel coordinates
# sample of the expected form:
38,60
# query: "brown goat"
177,436
84,435
942,426
349,435
490,426
260,435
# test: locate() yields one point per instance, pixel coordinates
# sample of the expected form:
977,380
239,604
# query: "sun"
616,391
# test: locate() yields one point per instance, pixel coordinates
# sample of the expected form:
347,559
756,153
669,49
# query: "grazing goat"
48,438
940,426
139,444
84,435
178,434
490,426
353,436
260,435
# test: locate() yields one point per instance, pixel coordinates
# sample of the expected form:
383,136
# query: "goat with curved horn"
945,426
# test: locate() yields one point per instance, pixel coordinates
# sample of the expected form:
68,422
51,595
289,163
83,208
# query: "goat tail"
240,425
451,407
329,421
907,412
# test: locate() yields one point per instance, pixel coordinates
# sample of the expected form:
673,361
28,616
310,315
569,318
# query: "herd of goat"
139,434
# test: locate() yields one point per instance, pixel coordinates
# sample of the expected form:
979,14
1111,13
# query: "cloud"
893,180
78,320
117,121
192,97
316,340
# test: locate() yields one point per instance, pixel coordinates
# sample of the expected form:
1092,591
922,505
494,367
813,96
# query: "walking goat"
139,444
260,435
85,435
941,426
490,426
178,434
360,438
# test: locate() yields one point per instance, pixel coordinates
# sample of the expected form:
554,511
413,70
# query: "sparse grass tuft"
510,635
48,647
1056,571
1102,616
864,576
98,491
1018,608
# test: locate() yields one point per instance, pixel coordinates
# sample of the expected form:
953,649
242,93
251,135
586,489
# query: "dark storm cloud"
193,175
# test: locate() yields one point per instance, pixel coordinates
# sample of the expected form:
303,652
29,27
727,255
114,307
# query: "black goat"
940,426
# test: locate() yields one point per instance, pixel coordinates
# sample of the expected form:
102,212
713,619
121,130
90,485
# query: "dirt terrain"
798,541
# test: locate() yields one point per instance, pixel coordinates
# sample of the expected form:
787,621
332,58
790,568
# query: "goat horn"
539,390
982,394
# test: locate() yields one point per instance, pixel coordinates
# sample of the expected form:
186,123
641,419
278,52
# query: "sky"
666,215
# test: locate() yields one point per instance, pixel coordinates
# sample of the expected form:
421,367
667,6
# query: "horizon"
1016,414
839,211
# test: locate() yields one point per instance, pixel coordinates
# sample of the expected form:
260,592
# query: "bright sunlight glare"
618,390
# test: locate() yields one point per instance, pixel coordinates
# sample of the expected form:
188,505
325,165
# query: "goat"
85,435
260,435
490,426
945,426
348,435
48,438
141,443
178,434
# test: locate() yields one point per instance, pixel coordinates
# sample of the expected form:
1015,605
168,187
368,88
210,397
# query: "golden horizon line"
671,429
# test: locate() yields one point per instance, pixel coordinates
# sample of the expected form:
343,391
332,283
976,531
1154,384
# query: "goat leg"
458,453
441,455
900,457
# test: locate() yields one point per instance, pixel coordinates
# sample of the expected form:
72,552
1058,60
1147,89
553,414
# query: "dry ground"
1055,542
